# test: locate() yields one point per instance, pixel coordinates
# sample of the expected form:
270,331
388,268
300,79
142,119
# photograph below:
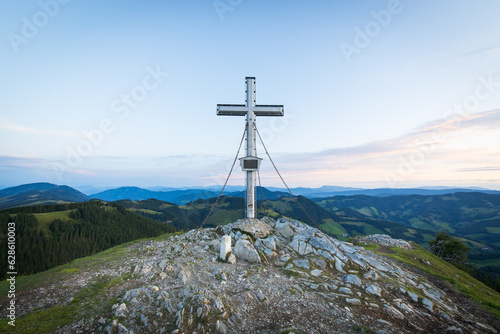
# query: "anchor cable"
227,179
282,180
221,192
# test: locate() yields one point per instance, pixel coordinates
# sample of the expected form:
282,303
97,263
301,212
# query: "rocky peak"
275,276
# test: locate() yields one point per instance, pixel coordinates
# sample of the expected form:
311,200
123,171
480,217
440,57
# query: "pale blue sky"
375,117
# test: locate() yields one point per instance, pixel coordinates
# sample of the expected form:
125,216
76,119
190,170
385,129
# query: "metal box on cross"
249,164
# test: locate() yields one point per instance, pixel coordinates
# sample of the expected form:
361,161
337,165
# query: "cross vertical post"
250,164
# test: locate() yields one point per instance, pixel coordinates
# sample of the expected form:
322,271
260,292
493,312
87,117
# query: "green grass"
146,211
422,225
462,281
69,271
90,301
46,218
224,217
486,262
494,230
366,211
369,229
331,227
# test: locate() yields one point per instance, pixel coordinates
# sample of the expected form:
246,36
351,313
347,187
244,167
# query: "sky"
376,93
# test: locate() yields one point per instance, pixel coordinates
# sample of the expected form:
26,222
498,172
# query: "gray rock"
260,296
374,290
183,274
246,251
324,244
373,275
220,327
433,294
394,312
427,304
485,327
285,258
352,279
131,294
413,296
231,259
286,231
269,253
320,263
316,272
383,322
345,290
339,265
270,242
144,320
219,305
122,329
453,330
254,227
301,247
120,310
353,301
405,308
383,240
304,264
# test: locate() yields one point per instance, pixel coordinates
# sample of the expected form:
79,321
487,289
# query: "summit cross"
251,162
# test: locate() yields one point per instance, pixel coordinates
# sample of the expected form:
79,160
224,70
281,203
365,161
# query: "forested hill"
475,217
39,194
50,235
342,225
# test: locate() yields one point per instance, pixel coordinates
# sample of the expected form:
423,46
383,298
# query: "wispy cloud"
10,126
479,169
440,143
435,146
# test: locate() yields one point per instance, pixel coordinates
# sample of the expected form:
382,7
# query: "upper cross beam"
242,109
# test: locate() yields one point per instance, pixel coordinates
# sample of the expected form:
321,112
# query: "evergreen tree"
449,248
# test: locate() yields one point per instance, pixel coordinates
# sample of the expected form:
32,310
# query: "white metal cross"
251,162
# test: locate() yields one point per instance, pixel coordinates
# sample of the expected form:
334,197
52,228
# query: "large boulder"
245,250
254,227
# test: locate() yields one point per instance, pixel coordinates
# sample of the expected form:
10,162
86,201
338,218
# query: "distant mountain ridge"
39,193
47,193
183,196
179,197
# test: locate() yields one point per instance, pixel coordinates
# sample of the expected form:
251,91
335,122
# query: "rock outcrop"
284,276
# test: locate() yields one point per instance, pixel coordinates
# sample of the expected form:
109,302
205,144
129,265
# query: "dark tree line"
93,228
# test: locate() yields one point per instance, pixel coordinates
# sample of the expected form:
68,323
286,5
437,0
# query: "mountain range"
472,216
46,193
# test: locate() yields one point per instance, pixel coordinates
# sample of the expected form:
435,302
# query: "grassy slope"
459,279
89,302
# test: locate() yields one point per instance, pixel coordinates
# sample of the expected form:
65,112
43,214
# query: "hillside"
39,193
342,225
51,235
275,282
473,216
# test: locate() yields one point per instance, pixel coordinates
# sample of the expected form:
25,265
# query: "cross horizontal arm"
241,110
232,109
269,110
